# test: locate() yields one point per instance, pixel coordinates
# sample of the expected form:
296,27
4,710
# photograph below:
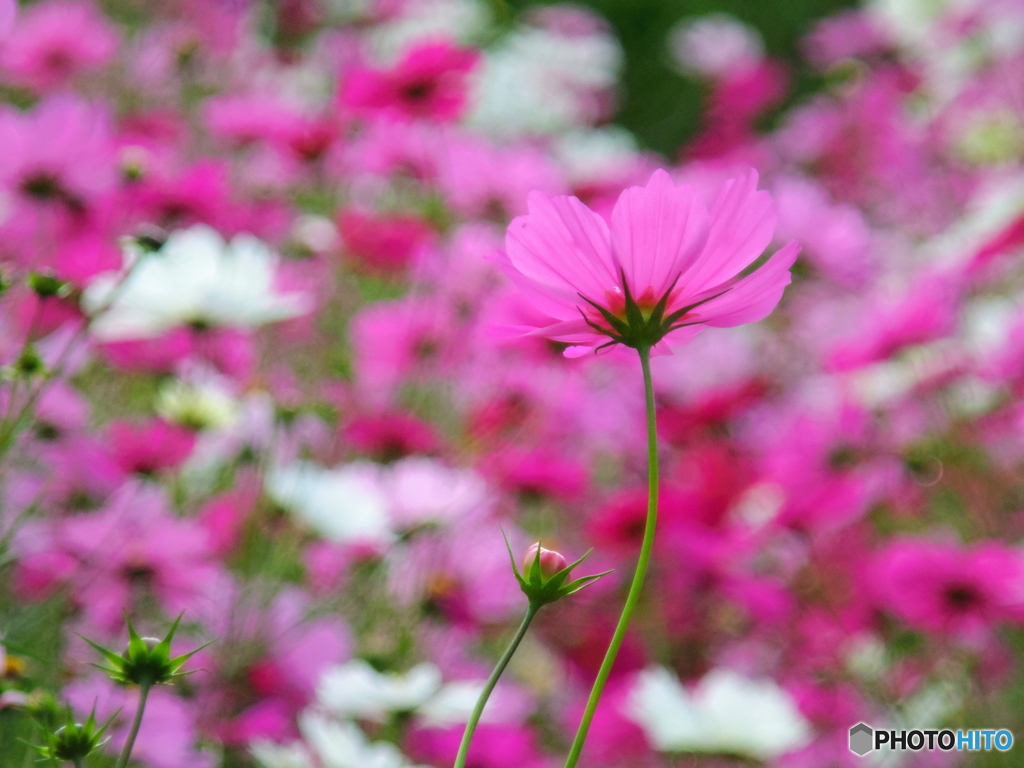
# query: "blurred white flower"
203,403
714,46
542,81
345,505
271,755
725,713
459,20
356,689
343,745
314,234
605,153
195,278
454,703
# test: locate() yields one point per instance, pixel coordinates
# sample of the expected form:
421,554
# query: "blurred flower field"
298,330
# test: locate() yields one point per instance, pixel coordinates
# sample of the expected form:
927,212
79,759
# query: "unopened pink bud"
551,562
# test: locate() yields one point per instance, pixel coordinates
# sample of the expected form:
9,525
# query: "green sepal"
634,328
145,661
73,741
540,590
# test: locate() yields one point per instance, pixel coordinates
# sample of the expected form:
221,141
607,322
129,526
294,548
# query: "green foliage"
660,106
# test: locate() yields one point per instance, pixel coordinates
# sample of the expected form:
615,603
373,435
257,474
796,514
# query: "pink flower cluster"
288,292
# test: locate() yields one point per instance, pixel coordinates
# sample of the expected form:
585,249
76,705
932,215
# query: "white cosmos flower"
345,505
725,713
538,81
356,689
343,745
196,277
203,403
271,755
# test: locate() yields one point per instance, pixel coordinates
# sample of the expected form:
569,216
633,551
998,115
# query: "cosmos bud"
551,562
545,575
73,742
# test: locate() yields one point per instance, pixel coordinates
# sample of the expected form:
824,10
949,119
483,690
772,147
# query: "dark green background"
662,107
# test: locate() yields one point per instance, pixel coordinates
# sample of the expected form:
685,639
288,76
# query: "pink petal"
657,232
755,296
743,221
562,244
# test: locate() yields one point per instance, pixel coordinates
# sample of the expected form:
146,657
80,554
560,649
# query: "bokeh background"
262,366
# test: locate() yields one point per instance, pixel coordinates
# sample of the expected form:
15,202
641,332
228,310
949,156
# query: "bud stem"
641,567
126,753
485,694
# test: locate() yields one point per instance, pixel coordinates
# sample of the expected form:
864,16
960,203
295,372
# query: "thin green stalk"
78,762
638,576
126,753
478,710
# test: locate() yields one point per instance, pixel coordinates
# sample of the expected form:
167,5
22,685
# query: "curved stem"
478,710
638,576
126,753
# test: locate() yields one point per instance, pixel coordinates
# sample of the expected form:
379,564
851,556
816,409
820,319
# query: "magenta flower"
430,82
54,41
664,266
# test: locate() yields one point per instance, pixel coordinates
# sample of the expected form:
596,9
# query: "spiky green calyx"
73,742
639,327
542,589
146,661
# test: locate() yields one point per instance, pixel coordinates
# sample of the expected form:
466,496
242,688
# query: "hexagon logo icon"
861,739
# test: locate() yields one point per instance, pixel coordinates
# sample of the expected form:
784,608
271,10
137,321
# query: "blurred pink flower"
54,41
130,547
494,746
149,447
430,82
391,435
385,244
60,151
662,245
942,587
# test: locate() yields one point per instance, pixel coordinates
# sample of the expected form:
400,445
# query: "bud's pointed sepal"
546,575
146,661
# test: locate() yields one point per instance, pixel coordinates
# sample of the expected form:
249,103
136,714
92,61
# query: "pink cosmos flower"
60,151
664,265
149,447
388,436
430,82
57,40
941,587
385,244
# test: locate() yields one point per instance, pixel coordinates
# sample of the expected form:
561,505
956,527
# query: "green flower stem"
478,710
126,753
641,567
78,762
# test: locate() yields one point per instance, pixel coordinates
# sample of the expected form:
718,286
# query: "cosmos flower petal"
755,296
742,223
563,244
657,232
